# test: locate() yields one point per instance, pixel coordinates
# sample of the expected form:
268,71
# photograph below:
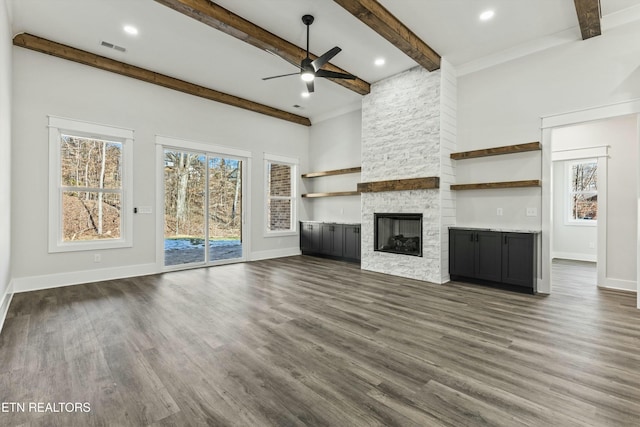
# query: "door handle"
505,239
477,238
471,235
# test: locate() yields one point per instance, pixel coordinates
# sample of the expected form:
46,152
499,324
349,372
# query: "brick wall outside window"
279,209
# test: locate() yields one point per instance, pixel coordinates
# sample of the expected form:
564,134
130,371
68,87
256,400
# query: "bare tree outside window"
91,184
583,191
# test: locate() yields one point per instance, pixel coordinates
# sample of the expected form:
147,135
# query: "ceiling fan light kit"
310,69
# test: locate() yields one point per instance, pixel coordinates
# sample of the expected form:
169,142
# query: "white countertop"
497,229
331,222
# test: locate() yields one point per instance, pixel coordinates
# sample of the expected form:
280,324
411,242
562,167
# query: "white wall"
5,157
46,85
504,105
570,241
448,145
334,144
620,134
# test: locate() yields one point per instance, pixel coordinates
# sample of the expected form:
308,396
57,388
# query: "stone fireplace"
408,132
398,233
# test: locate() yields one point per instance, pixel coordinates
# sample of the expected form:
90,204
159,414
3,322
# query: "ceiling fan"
309,69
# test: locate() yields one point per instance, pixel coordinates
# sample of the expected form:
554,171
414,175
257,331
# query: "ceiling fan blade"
320,61
281,75
285,59
334,75
310,86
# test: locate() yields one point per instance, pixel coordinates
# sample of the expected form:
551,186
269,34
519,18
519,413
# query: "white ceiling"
173,44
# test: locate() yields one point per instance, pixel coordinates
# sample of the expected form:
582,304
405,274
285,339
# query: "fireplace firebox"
398,233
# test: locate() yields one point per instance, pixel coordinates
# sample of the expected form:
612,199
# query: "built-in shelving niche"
497,151
345,171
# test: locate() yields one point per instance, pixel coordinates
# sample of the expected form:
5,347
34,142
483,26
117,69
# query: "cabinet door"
331,238
309,237
488,255
461,253
518,259
351,241
305,236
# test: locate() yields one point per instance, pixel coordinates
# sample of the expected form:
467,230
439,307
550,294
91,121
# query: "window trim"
293,163
568,218
59,126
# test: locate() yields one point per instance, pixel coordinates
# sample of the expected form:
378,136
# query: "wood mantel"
426,183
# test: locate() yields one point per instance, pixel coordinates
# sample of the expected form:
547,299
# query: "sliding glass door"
225,209
203,208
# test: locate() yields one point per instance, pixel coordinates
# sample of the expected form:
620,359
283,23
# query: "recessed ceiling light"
305,94
379,62
130,29
486,15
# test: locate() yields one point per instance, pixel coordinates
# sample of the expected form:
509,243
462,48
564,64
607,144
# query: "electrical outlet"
592,245
499,212
97,258
532,211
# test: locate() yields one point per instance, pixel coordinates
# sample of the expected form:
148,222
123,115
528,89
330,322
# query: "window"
582,191
280,194
89,196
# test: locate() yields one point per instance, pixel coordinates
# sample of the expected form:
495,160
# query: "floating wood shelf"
333,172
332,194
496,151
505,184
426,183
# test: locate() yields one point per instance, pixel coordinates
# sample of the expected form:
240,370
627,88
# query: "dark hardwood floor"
308,341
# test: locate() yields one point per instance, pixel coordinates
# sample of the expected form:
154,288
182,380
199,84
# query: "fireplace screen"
398,233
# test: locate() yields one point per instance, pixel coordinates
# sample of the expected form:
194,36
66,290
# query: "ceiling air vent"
113,46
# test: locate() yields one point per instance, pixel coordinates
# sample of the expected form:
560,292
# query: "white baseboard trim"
6,302
540,289
618,285
274,253
48,281
575,256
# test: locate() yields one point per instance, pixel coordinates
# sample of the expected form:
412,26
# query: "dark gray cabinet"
505,259
331,237
462,253
338,241
518,259
351,241
310,237
488,256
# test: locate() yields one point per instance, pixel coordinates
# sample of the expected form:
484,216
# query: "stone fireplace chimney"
409,131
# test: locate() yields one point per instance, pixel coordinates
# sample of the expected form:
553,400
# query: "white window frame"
59,126
569,220
293,163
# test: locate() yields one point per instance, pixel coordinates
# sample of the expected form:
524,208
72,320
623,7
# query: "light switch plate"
499,212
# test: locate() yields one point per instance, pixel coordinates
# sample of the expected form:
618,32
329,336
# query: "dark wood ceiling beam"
228,22
388,26
589,17
49,47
